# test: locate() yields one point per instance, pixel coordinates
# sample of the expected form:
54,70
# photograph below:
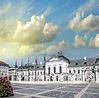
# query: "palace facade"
4,68
59,68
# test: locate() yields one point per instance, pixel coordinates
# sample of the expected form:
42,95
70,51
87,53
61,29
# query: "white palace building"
58,68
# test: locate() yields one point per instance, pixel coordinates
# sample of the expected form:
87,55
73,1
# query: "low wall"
46,82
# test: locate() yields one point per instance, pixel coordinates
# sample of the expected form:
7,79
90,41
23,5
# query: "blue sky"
30,28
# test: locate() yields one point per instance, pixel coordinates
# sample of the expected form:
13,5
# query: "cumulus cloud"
56,48
35,31
94,42
22,36
90,23
75,20
80,41
78,23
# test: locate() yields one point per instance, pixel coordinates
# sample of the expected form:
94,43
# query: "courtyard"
53,90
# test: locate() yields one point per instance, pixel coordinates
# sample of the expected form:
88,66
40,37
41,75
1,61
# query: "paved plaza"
90,90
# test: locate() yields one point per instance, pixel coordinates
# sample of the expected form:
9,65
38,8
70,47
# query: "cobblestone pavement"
55,90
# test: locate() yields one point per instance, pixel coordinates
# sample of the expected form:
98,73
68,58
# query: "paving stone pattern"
54,90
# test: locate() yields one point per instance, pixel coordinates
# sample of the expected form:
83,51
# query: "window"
54,69
69,71
76,63
85,62
56,78
78,71
32,73
74,71
37,66
38,72
48,70
60,69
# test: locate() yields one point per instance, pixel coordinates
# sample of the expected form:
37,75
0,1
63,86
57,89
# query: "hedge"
5,87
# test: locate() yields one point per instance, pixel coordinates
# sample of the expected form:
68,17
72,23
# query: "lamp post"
94,71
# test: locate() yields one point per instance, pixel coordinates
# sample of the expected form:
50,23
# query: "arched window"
60,69
78,71
32,73
56,78
48,70
69,71
74,71
54,69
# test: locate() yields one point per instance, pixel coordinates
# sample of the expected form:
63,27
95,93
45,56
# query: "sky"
38,28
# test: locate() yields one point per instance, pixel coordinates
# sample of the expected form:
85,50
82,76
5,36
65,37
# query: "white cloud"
94,42
23,36
90,23
8,50
75,20
80,41
56,48
26,50
36,31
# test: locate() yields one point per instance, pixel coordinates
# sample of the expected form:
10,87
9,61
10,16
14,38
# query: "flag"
36,61
28,60
61,52
21,63
44,59
16,64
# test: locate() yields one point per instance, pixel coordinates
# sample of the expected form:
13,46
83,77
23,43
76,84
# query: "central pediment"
58,58
54,59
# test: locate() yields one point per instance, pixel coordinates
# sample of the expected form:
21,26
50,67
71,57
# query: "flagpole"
28,68
44,68
35,72
35,67
21,67
15,68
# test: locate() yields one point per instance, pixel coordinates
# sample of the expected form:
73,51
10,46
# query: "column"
83,76
12,78
73,78
96,76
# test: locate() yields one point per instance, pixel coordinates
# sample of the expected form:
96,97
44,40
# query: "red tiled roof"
1,62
